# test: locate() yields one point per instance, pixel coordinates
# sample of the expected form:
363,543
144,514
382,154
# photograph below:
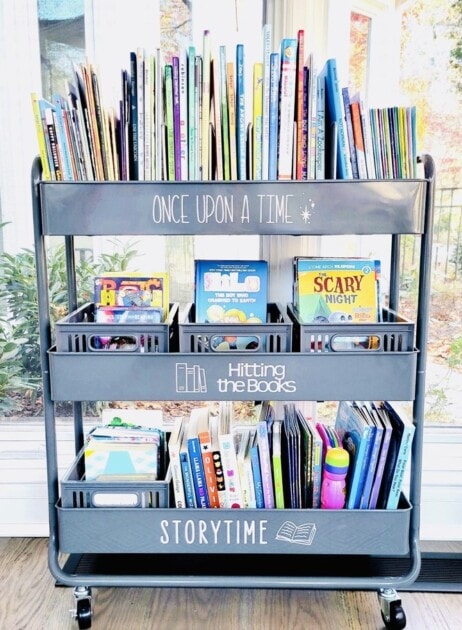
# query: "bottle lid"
337,461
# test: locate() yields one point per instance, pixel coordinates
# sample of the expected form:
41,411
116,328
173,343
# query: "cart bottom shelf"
440,572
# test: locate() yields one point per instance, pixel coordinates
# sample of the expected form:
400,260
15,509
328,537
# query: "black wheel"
397,620
83,613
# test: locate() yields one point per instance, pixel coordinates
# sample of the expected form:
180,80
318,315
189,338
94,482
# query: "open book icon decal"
299,534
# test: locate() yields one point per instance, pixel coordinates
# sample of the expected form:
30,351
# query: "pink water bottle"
333,489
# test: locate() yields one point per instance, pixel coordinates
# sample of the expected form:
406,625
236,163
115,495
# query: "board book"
336,290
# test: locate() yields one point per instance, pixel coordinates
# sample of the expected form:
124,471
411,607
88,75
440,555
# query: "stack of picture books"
275,459
190,117
129,445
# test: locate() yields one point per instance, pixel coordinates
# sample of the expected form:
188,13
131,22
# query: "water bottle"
333,489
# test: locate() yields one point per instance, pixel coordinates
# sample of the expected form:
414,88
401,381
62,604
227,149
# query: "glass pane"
359,46
430,78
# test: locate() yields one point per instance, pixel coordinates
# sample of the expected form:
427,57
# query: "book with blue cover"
357,438
336,116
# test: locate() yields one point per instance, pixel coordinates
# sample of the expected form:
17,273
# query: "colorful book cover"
312,116
169,121
273,117
132,290
358,139
43,153
140,60
63,138
53,139
242,438
287,108
231,291
159,115
365,408
305,136
257,120
214,426
149,132
198,110
334,104
241,126
357,439
336,290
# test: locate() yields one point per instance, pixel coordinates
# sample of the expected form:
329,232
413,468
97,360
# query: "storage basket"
393,334
273,336
78,332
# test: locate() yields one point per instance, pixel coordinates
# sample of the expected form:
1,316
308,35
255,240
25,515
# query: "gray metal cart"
348,549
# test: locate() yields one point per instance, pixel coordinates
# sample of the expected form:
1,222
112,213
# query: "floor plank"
31,601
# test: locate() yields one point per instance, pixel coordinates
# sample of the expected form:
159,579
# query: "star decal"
307,212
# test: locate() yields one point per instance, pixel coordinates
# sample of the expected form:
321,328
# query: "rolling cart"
88,545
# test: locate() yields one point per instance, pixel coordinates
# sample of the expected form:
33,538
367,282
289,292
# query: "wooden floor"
31,601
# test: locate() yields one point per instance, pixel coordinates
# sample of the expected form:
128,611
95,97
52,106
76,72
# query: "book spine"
240,114
176,116
358,139
371,468
230,470
265,464
335,107
320,126
257,478
380,469
277,470
220,478
231,89
198,474
205,121
177,478
62,139
209,469
224,115
53,143
257,120
273,118
191,114
140,55
301,88
349,128
404,453
365,123
267,45
305,136
217,120
190,495
169,122
159,116
148,117
287,108
133,151
183,84
312,117
40,137
198,119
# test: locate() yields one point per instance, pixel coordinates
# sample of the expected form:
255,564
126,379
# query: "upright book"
287,108
335,112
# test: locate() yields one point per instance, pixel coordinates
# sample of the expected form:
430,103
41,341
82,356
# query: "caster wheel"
83,613
397,618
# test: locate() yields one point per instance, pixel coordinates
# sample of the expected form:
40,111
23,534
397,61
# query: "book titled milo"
336,290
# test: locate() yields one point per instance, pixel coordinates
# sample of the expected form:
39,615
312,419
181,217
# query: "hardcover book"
336,116
233,291
336,290
287,108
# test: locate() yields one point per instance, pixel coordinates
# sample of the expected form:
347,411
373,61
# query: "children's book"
190,495
287,108
174,444
366,409
265,462
256,471
195,458
276,454
273,117
257,120
133,290
205,441
243,437
336,117
336,290
383,419
233,291
214,426
241,125
229,457
357,438
267,45
398,457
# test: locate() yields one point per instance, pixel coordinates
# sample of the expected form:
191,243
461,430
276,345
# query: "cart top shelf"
217,207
